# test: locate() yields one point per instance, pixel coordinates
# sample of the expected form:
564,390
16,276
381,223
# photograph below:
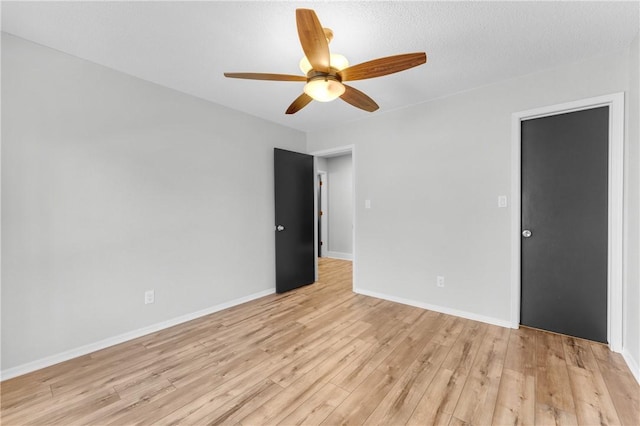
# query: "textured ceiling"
188,45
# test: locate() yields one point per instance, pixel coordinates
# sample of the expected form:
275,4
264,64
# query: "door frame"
334,152
615,102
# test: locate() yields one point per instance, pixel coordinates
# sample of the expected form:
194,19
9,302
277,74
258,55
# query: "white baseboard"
436,308
111,341
338,255
632,363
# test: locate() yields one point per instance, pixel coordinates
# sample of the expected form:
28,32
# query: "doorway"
321,209
614,117
342,200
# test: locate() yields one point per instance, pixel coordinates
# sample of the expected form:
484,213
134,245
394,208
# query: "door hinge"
320,183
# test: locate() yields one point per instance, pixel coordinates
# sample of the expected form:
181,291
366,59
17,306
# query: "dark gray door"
564,223
294,213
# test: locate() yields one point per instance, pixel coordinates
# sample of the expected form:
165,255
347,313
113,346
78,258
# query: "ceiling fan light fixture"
324,89
336,60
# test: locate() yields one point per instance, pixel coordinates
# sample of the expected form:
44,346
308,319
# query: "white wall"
340,206
111,186
321,164
433,173
631,296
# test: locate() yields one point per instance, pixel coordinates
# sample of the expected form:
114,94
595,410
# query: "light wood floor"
322,354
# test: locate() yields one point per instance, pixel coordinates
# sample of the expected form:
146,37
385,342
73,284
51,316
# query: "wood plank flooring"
324,355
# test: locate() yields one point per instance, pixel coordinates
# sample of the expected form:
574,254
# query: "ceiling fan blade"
263,76
313,39
358,99
300,102
383,66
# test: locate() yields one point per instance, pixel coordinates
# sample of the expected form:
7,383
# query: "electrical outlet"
149,297
440,281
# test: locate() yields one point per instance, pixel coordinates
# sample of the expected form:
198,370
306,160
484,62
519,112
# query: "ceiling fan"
326,72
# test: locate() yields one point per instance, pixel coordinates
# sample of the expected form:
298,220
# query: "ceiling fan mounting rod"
328,33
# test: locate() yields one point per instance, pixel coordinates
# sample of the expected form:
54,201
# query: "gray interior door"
564,223
294,214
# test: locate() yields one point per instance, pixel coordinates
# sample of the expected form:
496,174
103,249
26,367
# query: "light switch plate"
502,201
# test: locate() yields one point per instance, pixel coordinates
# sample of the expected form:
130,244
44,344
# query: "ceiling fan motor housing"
324,87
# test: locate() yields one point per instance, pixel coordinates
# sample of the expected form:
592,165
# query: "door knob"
526,233
279,228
